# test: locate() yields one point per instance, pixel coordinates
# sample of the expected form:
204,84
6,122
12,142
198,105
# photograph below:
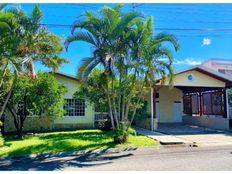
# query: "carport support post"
152,107
227,104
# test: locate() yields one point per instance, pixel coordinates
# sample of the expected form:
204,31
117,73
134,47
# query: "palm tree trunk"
119,107
6,101
134,112
114,104
110,106
8,95
123,111
3,74
32,69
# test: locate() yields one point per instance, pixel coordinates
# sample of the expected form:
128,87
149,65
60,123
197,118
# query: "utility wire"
173,29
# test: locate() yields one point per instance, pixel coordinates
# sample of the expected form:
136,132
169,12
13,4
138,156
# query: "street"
147,158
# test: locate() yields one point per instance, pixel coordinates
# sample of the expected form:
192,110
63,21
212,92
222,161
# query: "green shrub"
1,138
131,131
1,141
121,135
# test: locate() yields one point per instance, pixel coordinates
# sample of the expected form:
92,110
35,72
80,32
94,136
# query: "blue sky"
196,45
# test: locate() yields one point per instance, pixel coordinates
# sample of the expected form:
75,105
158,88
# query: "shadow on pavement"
44,163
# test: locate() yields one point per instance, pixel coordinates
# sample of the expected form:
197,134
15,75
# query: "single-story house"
198,96
77,114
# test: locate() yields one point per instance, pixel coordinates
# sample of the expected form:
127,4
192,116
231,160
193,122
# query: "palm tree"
152,59
104,31
124,44
37,44
28,43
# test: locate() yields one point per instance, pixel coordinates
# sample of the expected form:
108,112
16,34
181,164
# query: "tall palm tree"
103,31
37,44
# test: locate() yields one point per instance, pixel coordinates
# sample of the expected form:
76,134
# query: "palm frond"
36,17
163,51
124,22
84,64
162,37
55,62
2,6
80,36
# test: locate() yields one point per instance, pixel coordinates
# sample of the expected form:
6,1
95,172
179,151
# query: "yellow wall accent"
72,86
199,79
43,123
32,123
167,96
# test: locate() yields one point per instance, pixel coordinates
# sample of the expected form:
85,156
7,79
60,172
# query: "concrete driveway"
197,135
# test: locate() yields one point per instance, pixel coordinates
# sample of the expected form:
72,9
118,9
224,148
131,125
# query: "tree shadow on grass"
59,146
90,136
63,142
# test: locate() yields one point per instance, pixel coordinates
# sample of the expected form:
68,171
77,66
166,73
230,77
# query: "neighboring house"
221,65
199,96
77,114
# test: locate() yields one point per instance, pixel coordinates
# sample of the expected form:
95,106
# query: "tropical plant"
26,43
132,59
103,32
94,91
42,96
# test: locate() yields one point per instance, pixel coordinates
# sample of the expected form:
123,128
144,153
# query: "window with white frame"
73,107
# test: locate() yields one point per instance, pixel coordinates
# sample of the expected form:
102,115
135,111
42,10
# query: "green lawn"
68,141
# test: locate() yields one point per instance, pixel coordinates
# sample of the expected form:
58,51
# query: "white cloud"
206,41
188,61
163,59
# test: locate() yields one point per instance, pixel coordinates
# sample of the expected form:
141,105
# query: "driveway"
195,134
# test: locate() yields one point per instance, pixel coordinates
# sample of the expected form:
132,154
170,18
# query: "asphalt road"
169,158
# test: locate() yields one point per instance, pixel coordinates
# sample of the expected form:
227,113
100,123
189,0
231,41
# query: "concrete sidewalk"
162,138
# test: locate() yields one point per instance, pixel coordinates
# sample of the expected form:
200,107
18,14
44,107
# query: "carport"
198,96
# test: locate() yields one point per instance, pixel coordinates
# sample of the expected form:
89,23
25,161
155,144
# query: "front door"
177,112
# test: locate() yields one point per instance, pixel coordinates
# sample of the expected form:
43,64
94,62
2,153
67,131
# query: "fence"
99,116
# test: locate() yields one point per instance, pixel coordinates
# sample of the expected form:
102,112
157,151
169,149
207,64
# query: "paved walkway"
162,138
184,129
188,134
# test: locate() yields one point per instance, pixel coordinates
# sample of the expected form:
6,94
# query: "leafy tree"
25,43
132,58
94,91
42,96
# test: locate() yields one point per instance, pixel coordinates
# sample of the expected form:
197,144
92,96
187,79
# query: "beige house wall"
43,123
167,97
199,79
72,121
32,123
